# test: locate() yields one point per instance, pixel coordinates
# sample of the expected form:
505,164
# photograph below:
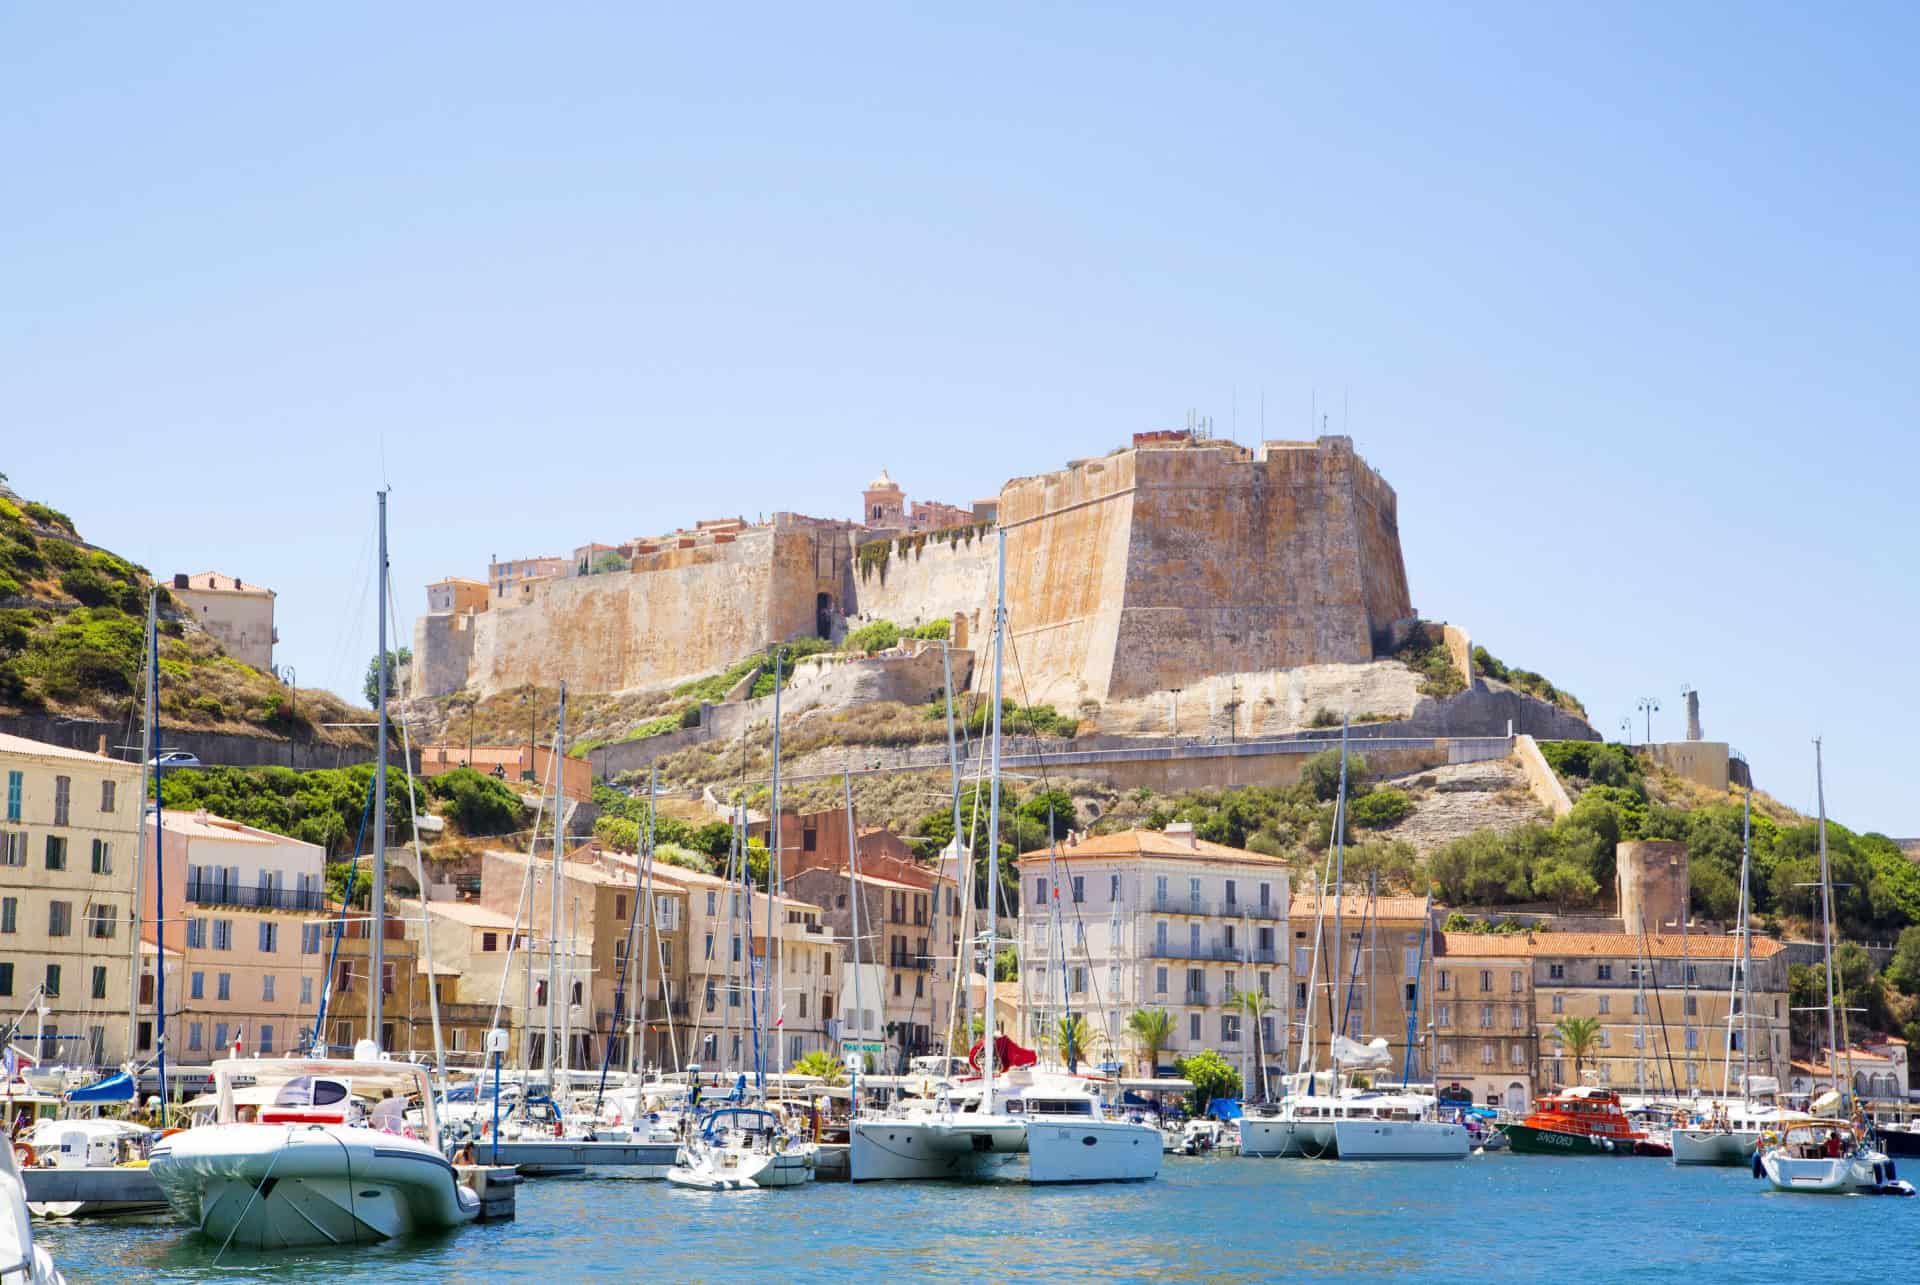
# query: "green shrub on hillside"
1525,680
322,806
1439,676
1379,809
480,803
933,631
875,635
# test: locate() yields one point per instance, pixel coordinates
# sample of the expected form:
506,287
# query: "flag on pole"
238,1038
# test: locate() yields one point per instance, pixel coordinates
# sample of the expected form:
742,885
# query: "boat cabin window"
1060,1106
310,1091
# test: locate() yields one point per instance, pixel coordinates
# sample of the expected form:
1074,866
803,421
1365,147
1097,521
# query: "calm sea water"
1492,1218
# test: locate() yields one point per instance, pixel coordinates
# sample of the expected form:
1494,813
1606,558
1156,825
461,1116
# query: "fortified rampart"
1147,570
1155,567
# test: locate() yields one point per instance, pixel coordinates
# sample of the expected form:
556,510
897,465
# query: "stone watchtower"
883,503
1650,879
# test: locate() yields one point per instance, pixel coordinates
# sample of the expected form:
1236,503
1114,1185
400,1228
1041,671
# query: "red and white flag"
238,1037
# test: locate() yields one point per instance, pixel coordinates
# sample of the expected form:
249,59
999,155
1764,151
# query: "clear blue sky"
1619,298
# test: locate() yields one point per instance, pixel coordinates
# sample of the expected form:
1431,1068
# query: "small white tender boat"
312,1167
21,1261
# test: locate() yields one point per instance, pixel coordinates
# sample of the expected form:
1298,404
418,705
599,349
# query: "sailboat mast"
963,967
855,1063
159,877
1686,993
1746,941
636,1058
140,856
1339,880
377,951
554,894
1826,911
776,881
993,820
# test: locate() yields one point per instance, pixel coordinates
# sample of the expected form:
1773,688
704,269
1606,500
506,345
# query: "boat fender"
1606,1144
25,1154
1759,1169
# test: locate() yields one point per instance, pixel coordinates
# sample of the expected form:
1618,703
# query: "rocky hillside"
72,622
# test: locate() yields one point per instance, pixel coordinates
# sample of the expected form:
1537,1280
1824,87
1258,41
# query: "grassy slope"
70,643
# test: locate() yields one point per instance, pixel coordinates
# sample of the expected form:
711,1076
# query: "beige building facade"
1157,920
238,615
1484,1044
69,838
1371,969
239,905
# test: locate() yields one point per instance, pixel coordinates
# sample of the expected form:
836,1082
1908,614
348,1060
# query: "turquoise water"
1492,1218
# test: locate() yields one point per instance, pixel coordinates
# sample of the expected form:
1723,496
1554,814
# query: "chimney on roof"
1181,832
179,580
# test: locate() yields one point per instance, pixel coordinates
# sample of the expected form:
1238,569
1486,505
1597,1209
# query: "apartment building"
1669,1021
514,581
1367,975
1157,920
907,955
238,906
69,837
406,1006
712,1018
1479,1021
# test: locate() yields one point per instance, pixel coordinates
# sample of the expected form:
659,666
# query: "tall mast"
859,999
1339,878
1826,918
377,954
159,875
993,820
554,894
776,880
140,856
646,896
1746,940
1686,993
963,970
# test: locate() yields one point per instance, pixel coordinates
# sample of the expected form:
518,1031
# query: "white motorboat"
96,1143
1830,1160
312,1168
1729,1133
21,1261
744,1147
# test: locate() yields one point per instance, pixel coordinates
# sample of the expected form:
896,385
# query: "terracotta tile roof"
464,912
1353,906
1486,945
1672,946
1151,843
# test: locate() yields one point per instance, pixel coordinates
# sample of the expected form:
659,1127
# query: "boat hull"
1527,1140
1092,1151
1714,1147
269,1187
1400,1140
537,1156
1288,1139
909,1150
1902,1144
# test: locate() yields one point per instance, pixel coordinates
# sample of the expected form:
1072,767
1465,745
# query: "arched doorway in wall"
1516,1096
823,615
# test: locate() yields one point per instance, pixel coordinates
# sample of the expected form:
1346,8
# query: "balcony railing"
1196,995
1171,905
204,892
1217,951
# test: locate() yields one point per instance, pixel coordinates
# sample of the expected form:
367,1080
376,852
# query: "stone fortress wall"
1157,567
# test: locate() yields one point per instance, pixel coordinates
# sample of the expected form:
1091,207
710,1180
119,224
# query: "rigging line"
352,620
1046,784
420,876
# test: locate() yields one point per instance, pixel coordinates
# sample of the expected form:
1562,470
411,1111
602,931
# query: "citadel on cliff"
1178,564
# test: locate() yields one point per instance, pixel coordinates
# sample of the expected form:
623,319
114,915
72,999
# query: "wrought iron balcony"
209,892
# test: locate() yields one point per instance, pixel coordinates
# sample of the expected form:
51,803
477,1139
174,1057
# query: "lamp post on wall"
1649,706
1176,710
1626,730
293,717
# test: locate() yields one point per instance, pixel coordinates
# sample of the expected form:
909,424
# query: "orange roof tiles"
1354,905
1672,946
1149,843
1487,945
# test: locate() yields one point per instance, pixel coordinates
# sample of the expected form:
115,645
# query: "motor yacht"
322,1164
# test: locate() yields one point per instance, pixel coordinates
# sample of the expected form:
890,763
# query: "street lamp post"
293,715
1649,706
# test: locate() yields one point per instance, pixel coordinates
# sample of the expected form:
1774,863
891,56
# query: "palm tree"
824,1065
1073,1037
1153,1027
1256,1006
1580,1036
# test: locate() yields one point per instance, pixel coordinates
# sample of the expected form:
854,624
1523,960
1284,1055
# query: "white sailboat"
1829,1158
1060,1121
1322,1115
